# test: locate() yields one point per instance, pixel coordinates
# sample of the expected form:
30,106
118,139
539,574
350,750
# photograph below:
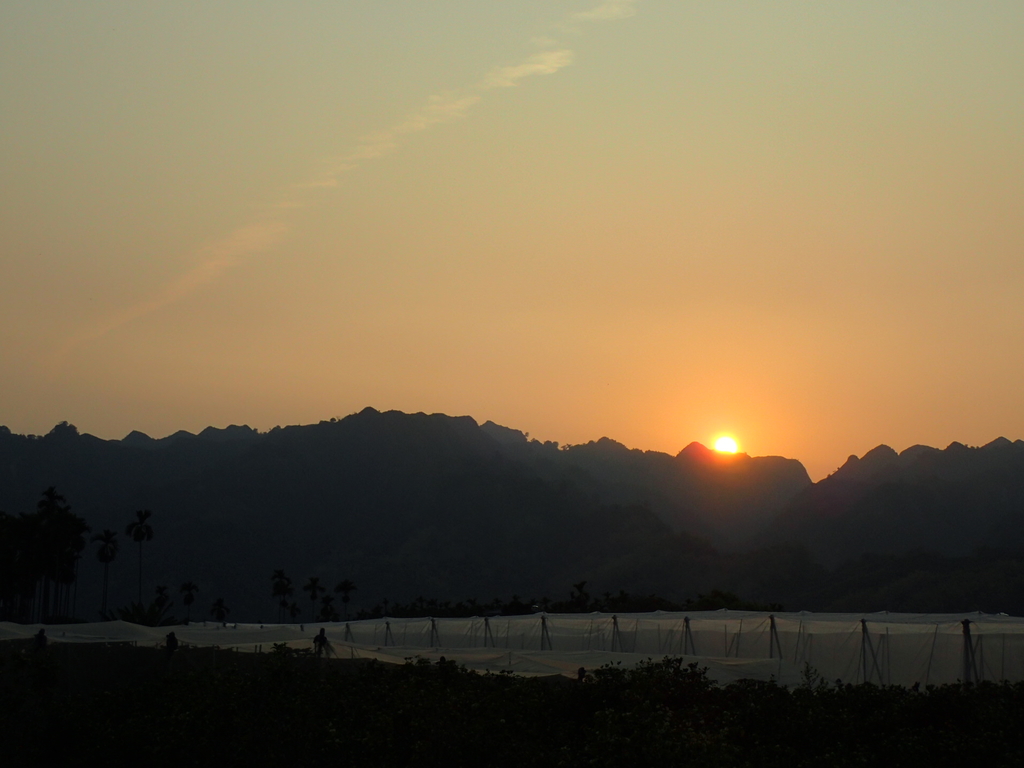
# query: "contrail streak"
225,254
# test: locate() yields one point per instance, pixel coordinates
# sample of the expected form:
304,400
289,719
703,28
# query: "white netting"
882,648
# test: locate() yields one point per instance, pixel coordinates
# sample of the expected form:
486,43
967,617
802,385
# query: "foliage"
579,601
156,614
287,707
188,591
219,609
39,554
282,590
140,530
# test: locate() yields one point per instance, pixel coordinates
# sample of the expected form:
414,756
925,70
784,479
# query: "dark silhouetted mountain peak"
138,439
232,432
62,432
915,452
696,451
1000,443
605,446
873,464
949,501
504,435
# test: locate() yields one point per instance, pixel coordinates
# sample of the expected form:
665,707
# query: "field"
120,705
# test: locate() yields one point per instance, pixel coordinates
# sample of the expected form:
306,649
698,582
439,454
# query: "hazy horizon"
708,443
794,223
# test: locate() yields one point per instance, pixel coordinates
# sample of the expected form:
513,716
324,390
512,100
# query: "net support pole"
688,649
970,667
616,639
545,638
867,651
435,639
864,650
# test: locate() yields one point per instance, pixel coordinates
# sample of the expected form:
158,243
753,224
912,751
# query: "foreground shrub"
287,708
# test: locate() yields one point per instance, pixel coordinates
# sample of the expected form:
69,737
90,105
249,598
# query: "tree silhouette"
105,554
578,596
314,589
218,610
346,588
188,589
282,590
327,612
294,610
162,599
151,615
140,531
39,555
59,538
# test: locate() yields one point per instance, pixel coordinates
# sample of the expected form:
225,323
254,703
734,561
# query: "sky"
797,223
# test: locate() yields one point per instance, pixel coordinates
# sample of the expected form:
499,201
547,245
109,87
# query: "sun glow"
726,444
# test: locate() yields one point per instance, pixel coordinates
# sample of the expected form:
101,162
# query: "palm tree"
61,536
218,610
314,589
294,610
282,590
579,596
162,598
106,554
140,531
188,589
327,612
346,588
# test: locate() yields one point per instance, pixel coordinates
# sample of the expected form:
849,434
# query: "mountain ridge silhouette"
418,504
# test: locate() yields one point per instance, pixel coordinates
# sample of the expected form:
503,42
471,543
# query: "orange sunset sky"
798,223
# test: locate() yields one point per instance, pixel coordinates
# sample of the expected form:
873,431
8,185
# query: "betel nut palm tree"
282,590
327,612
60,537
140,531
105,554
314,588
188,590
218,610
346,588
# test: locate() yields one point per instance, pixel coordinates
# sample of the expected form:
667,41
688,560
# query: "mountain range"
414,504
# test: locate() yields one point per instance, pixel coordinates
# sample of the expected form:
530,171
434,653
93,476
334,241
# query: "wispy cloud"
609,10
546,63
440,108
214,259
219,257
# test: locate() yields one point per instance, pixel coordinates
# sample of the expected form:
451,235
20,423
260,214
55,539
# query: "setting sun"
726,445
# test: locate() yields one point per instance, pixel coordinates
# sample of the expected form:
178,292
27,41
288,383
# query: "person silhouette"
171,644
321,644
40,640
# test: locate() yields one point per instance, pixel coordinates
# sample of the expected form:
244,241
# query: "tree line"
40,556
41,551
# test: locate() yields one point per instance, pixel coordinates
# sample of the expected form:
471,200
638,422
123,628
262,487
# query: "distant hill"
949,502
724,498
403,504
409,505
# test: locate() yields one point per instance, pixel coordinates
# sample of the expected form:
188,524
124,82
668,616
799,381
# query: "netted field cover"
882,648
